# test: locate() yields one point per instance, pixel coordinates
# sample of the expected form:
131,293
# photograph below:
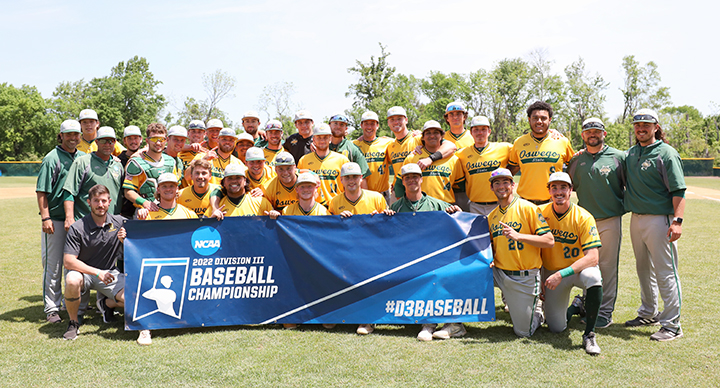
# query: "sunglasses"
156,139
644,118
593,124
105,141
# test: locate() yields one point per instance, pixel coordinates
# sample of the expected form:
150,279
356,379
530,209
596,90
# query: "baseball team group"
543,243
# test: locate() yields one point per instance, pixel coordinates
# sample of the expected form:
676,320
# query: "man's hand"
47,227
509,232
68,222
150,206
219,213
106,277
424,163
210,155
387,212
142,214
261,134
256,192
418,150
453,209
553,281
346,214
555,135
122,233
674,231
273,214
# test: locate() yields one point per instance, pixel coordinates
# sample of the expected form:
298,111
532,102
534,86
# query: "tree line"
128,96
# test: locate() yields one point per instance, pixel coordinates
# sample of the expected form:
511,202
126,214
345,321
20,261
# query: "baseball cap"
254,153
177,130
350,168
251,114
302,115
87,114
396,111
369,115
593,122
501,173
307,177
339,117
244,137
273,125
196,124
226,132
645,116
432,124
560,177
455,106
234,169
322,129
167,177
105,132
214,123
410,168
132,130
70,126
478,121
284,159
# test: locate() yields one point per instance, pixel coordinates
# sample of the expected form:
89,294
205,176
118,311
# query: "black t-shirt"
128,209
96,246
298,146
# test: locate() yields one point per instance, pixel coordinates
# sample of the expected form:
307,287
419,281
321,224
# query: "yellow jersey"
270,155
478,164
328,170
88,147
198,203
461,141
439,177
267,175
398,151
537,159
218,166
368,202
526,218
376,156
296,210
574,233
246,205
278,194
179,212
186,157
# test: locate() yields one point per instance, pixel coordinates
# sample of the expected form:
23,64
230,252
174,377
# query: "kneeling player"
572,261
233,198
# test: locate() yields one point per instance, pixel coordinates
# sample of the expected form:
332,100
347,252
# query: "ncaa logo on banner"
206,240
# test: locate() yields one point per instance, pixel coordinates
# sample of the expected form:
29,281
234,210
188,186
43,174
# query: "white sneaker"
365,329
426,334
450,330
144,338
590,345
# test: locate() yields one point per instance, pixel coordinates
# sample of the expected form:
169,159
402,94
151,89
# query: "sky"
312,43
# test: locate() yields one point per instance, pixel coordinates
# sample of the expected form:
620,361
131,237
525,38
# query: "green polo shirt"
88,171
425,204
599,180
654,177
53,171
353,153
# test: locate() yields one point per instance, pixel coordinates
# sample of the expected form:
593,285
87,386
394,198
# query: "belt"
517,273
539,202
486,203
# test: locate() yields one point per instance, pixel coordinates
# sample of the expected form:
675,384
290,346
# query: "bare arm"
675,229
133,195
540,241
589,260
69,207
72,263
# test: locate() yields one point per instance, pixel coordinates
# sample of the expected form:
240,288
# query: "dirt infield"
17,192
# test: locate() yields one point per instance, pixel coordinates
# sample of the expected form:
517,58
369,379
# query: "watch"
679,220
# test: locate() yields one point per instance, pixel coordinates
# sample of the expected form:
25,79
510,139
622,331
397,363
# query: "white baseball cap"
226,132
478,121
645,116
196,124
410,168
339,117
322,129
560,177
350,168
167,177
132,130
302,115
432,124
70,126
87,114
396,111
254,153
251,114
105,132
369,115
177,130
501,173
273,125
246,137
593,122
455,106
307,177
284,159
215,123
234,169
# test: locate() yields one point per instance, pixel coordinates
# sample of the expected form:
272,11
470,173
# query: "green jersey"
352,152
51,179
88,171
424,204
654,177
599,180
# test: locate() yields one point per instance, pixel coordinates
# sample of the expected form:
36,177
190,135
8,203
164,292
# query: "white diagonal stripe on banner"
376,277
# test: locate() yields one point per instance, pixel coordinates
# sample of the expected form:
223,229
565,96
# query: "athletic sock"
592,307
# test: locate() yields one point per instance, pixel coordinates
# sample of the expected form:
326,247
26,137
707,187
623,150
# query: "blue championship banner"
427,267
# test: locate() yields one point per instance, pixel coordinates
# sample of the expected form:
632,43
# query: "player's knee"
73,280
120,298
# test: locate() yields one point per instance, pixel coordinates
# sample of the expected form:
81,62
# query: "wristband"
98,274
567,271
140,200
435,156
45,219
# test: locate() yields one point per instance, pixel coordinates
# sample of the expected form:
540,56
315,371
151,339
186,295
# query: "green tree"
584,98
442,89
374,78
276,101
641,89
26,131
510,93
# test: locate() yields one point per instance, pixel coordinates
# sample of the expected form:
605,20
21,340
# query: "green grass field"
33,353
703,181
